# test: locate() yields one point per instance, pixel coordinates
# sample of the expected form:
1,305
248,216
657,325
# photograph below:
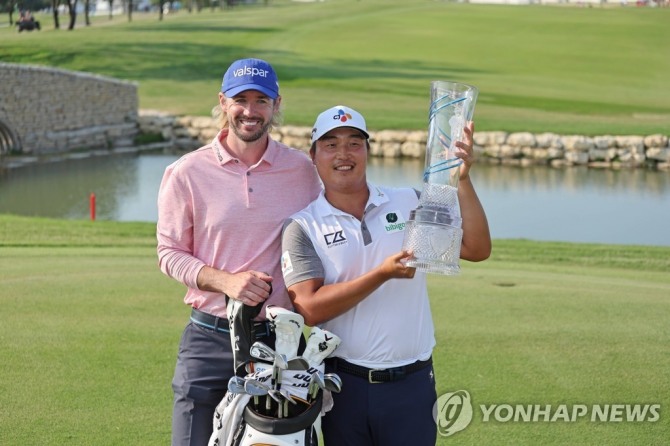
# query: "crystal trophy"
433,231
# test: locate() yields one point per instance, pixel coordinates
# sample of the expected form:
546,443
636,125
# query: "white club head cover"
288,330
320,344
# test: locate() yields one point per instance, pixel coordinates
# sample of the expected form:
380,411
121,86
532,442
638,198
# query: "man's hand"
249,287
394,267
466,150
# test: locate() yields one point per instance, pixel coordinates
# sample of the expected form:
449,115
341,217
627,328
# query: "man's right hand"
394,267
250,287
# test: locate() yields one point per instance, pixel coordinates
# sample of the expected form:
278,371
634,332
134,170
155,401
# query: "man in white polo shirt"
343,264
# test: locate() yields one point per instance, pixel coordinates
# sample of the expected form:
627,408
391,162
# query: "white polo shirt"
393,325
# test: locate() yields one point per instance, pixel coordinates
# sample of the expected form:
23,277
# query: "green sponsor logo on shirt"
395,227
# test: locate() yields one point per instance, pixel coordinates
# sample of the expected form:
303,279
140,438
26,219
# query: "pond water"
537,203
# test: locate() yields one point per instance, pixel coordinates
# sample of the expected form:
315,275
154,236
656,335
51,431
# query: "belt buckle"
372,381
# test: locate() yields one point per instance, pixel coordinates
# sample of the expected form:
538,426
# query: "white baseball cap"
338,116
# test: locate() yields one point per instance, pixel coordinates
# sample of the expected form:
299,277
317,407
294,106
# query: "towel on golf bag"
227,416
241,323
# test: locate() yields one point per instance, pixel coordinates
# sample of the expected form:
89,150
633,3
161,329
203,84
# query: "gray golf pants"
204,366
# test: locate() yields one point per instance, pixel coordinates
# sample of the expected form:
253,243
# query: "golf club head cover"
288,327
242,336
320,344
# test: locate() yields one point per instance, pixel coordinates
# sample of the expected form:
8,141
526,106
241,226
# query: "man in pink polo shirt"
220,214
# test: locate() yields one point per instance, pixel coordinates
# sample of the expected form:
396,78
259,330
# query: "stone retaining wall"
48,110
522,149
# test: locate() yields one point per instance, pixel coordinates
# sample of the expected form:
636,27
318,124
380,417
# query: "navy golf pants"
385,414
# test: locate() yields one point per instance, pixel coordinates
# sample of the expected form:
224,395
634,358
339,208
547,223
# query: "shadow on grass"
189,62
567,105
199,28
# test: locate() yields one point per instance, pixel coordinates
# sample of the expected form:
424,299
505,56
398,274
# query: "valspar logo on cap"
338,116
250,74
253,71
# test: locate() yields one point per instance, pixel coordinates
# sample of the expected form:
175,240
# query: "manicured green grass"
569,70
90,329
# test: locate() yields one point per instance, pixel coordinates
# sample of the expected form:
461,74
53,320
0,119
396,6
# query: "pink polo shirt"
214,210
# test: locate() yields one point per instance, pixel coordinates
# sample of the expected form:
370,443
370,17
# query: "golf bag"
246,419
300,428
276,397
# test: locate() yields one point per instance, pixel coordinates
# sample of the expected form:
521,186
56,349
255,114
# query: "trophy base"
436,247
434,267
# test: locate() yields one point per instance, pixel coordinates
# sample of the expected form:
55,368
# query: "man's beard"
253,136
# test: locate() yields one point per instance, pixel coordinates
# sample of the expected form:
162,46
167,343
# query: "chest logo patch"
335,238
393,222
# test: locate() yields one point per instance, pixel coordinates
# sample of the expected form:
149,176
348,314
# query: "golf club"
236,384
262,352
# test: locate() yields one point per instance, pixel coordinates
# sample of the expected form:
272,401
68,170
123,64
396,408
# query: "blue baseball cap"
250,74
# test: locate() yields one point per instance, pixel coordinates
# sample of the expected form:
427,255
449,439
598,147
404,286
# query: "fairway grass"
565,70
90,329
524,334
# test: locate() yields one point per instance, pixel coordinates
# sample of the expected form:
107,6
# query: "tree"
54,7
111,5
9,6
87,6
72,11
161,5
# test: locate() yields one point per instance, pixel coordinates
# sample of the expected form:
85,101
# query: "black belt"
261,328
375,376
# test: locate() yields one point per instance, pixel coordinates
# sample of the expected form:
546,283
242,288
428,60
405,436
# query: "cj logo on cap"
342,116
245,71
